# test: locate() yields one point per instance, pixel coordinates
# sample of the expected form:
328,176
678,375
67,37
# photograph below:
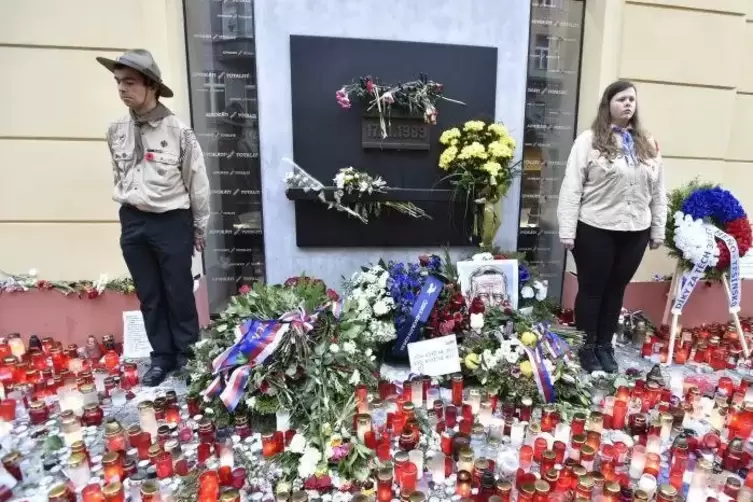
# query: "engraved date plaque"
402,133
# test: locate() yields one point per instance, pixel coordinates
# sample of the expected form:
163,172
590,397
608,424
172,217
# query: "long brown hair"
604,140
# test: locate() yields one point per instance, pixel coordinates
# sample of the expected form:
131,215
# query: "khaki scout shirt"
613,195
161,169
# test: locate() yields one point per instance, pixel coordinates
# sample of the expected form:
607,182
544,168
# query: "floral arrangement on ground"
290,348
511,357
707,224
83,289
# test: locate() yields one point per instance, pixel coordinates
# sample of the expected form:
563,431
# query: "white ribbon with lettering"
690,278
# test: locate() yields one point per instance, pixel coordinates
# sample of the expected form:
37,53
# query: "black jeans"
157,248
606,261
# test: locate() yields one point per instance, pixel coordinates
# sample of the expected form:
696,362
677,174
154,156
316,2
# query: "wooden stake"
736,319
673,287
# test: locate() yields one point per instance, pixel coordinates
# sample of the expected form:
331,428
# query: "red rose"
500,257
446,327
369,86
424,259
149,156
457,301
264,387
477,306
244,289
293,281
310,483
332,295
323,483
92,293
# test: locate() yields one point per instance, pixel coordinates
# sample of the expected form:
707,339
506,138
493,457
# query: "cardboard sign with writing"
435,357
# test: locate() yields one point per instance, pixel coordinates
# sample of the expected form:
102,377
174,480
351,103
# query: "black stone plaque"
402,134
327,138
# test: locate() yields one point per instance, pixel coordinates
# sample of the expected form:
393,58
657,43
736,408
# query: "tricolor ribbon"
257,340
540,373
553,343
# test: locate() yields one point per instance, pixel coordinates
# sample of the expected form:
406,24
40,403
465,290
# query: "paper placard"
746,266
135,342
435,357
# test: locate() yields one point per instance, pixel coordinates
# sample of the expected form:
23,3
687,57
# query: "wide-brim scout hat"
143,62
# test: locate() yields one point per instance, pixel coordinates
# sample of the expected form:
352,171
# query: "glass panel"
551,105
222,69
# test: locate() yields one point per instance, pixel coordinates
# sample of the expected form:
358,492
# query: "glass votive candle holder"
653,463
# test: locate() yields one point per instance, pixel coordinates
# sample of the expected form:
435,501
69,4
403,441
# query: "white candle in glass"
562,432
148,418
608,405
638,461
417,392
99,380
474,400
437,468
653,444
78,471
226,454
431,395
417,458
17,347
118,397
517,433
647,483
485,413
677,382
283,420
363,425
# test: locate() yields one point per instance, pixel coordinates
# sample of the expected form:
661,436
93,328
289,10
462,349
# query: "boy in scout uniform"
162,186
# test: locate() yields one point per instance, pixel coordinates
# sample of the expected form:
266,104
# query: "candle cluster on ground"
75,425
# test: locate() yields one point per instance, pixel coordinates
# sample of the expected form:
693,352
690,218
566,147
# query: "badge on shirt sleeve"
164,143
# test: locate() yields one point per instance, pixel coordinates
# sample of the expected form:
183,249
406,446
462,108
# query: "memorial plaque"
403,133
551,105
327,137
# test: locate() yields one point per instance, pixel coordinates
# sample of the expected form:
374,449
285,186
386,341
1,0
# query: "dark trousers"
606,261
158,248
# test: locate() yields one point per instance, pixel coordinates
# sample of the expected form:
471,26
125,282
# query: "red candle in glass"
560,449
203,452
112,464
8,410
526,455
362,398
238,478
451,416
225,474
172,414
93,493
457,390
143,445
209,485
407,391
193,403
164,465
619,413
409,477
578,424
112,360
268,445
384,485
38,413
130,376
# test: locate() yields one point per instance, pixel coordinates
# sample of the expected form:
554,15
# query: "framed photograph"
495,282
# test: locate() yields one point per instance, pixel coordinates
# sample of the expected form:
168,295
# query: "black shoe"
588,360
605,355
154,376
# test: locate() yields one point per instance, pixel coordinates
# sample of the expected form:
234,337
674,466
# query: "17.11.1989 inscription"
402,134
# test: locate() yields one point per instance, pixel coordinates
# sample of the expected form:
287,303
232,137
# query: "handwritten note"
435,357
135,342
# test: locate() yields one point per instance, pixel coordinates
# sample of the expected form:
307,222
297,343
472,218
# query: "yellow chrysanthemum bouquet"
479,160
